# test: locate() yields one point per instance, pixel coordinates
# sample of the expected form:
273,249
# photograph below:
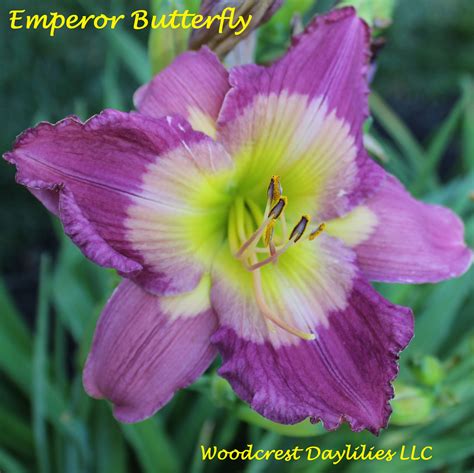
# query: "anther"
274,213
274,189
299,228
320,229
278,208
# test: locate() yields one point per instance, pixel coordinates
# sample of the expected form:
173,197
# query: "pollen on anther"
267,238
274,189
320,229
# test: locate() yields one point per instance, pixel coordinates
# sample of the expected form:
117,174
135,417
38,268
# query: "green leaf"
165,44
111,451
11,323
8,464
269,441
468,126
400,134
205,438
372,10
439,144
110,84
154,450
78,286
131,52
17,366
15,433
302,429
443,136
434,323
126,47
39,370
274,35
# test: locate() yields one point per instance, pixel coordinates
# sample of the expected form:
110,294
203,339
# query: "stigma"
259,247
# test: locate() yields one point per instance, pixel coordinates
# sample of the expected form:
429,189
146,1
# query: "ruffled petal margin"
344,374
122,185
145,348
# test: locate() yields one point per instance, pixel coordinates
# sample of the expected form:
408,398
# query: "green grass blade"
302,429
131,52
126,47
204,438
438,146
17,367
15,433
11,322
110,84
39,372
269,441
152,446
434,323
8,464
468,125
401,135
78,286
111,451
443,136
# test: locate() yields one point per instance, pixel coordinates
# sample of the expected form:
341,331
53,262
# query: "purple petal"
413,242
344,374
103,178
146,348
325,70
194,85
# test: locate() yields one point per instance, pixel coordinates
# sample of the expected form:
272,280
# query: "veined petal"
344,374
193,86
147,347
301,118
309,281
412,242
129,190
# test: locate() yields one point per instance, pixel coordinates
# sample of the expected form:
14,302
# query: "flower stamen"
275,190
268,314
274,214
295,236
315,233
299,228
249,249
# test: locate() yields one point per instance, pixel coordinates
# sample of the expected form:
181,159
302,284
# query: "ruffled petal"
124,186
412,242
147,347
344,374
193,86
302,117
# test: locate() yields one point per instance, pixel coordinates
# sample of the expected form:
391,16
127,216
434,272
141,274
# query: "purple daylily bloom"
247,219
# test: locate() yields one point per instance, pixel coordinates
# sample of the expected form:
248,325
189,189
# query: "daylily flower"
247,220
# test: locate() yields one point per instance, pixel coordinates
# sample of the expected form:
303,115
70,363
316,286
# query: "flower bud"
222,43
411,405
429,370
222,392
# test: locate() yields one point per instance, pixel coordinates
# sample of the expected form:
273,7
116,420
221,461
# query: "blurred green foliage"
48,424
